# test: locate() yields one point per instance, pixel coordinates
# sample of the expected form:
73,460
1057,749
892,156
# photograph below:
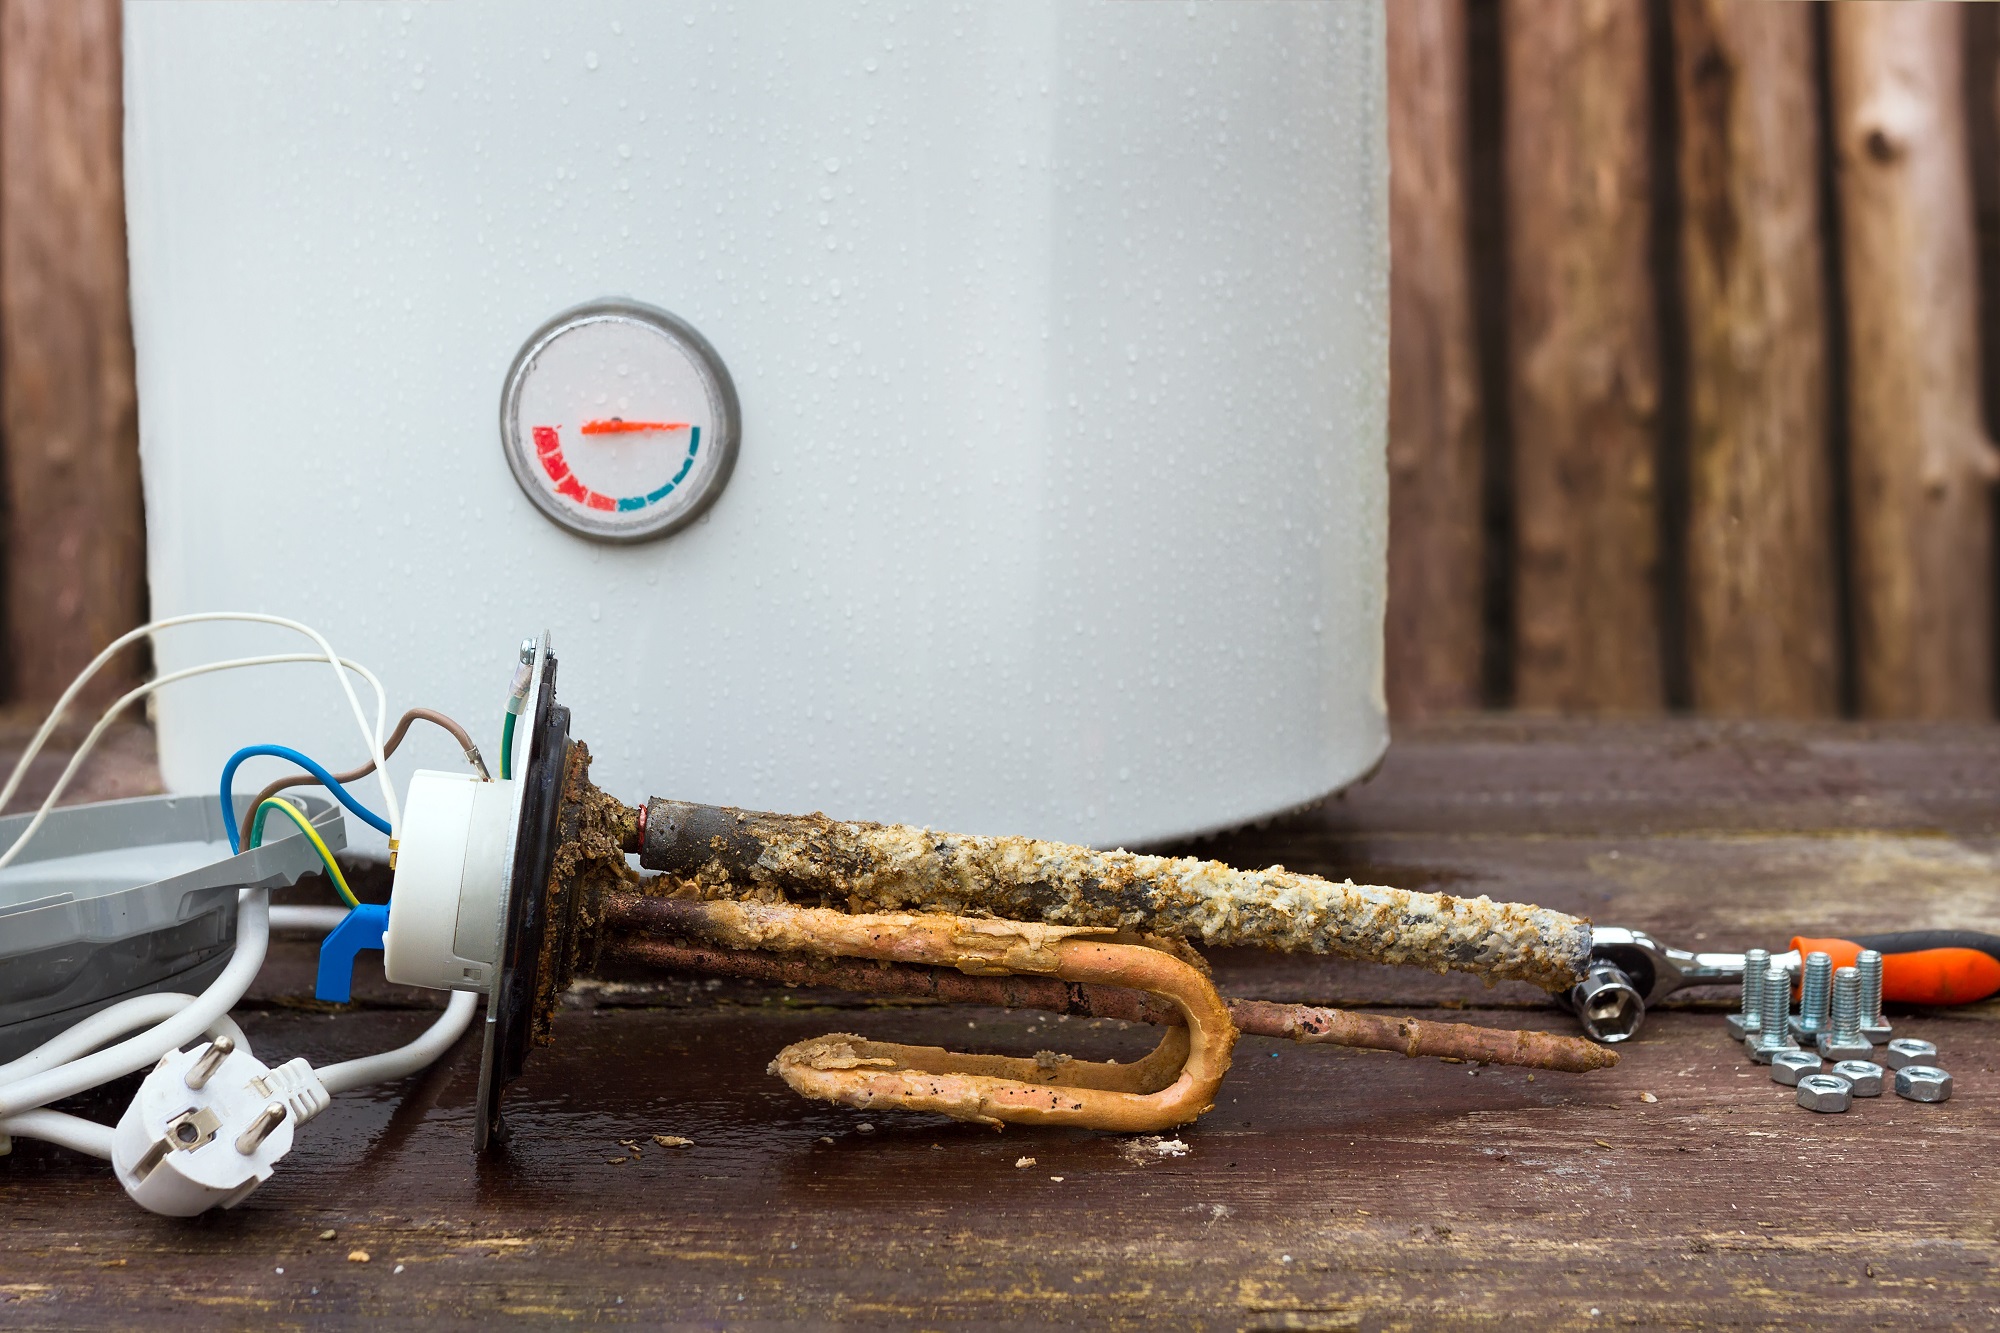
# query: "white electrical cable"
253,936
125,701
70,1131
85,1036
374,738
321,919
41,737
404,1060
72,1062
437,1039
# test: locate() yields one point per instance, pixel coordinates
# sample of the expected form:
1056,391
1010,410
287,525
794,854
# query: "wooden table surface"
1328,1189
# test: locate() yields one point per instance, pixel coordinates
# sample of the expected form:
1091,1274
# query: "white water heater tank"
970,415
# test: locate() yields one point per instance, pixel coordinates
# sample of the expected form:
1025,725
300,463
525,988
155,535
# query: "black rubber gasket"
511,1005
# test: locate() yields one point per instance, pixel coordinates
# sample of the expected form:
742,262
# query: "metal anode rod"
889,867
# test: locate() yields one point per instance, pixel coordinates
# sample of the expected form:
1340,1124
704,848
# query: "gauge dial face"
619,421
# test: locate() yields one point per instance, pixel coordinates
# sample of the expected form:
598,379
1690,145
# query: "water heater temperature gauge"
619,421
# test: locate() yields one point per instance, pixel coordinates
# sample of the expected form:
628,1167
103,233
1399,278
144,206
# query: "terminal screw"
1773,1036
1745,1022
1813,987
1842,1039
1787,1067
1923,1083
1873,1025
1864,1077
1908,1051
1825,1093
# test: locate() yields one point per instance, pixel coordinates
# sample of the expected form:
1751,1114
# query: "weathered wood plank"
1328,1189
1545,777
1390,1193
1584,357
1434,628
1920,465
75,545
1762,631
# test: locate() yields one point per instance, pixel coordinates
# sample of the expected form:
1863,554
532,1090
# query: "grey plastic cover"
124,898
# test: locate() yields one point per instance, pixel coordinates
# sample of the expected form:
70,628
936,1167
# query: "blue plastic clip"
361,929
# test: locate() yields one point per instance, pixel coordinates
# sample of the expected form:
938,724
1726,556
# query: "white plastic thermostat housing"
451,867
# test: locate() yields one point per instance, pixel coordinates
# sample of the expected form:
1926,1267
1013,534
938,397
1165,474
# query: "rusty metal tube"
631,920
1170,1087
724,851
1414,1037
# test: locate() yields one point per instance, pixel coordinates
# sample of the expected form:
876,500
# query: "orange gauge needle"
619,426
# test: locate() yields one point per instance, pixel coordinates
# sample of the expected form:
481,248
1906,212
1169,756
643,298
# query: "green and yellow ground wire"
297,816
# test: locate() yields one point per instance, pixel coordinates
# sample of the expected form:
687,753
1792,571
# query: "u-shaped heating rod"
1169,1087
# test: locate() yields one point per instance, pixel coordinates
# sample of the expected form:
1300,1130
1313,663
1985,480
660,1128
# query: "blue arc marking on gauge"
654,497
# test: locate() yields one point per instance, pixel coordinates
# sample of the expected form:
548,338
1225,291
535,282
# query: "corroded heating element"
1169,1087
725,852
723,907
656,933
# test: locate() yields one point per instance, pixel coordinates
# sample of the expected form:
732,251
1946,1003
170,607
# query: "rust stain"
630,923
719,852
1172,1086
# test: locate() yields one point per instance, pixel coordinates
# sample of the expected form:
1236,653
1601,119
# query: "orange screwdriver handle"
1923,966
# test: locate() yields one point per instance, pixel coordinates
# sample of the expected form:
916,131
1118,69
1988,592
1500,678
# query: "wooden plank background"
1705,292
1694,311
75,556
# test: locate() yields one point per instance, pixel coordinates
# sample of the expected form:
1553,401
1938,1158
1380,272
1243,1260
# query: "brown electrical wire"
430,715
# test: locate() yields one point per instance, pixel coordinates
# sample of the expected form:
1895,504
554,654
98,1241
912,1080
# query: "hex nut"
1864,1077
1908,1051
1923,1083
1787,1066
1825,1093
1834,1047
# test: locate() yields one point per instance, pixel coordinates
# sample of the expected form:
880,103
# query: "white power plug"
208,1125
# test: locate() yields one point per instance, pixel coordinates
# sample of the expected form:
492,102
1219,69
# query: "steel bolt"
1745,1022
1908,1051
1814,984
1788,1066
1873,1025
1773,1036
1841,1038
1826,1093
1864,1077
1923,1083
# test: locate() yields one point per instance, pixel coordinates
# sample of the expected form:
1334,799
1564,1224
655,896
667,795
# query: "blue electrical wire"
326,779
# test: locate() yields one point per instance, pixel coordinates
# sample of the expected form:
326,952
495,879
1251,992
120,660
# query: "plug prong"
202,1070
260,1129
